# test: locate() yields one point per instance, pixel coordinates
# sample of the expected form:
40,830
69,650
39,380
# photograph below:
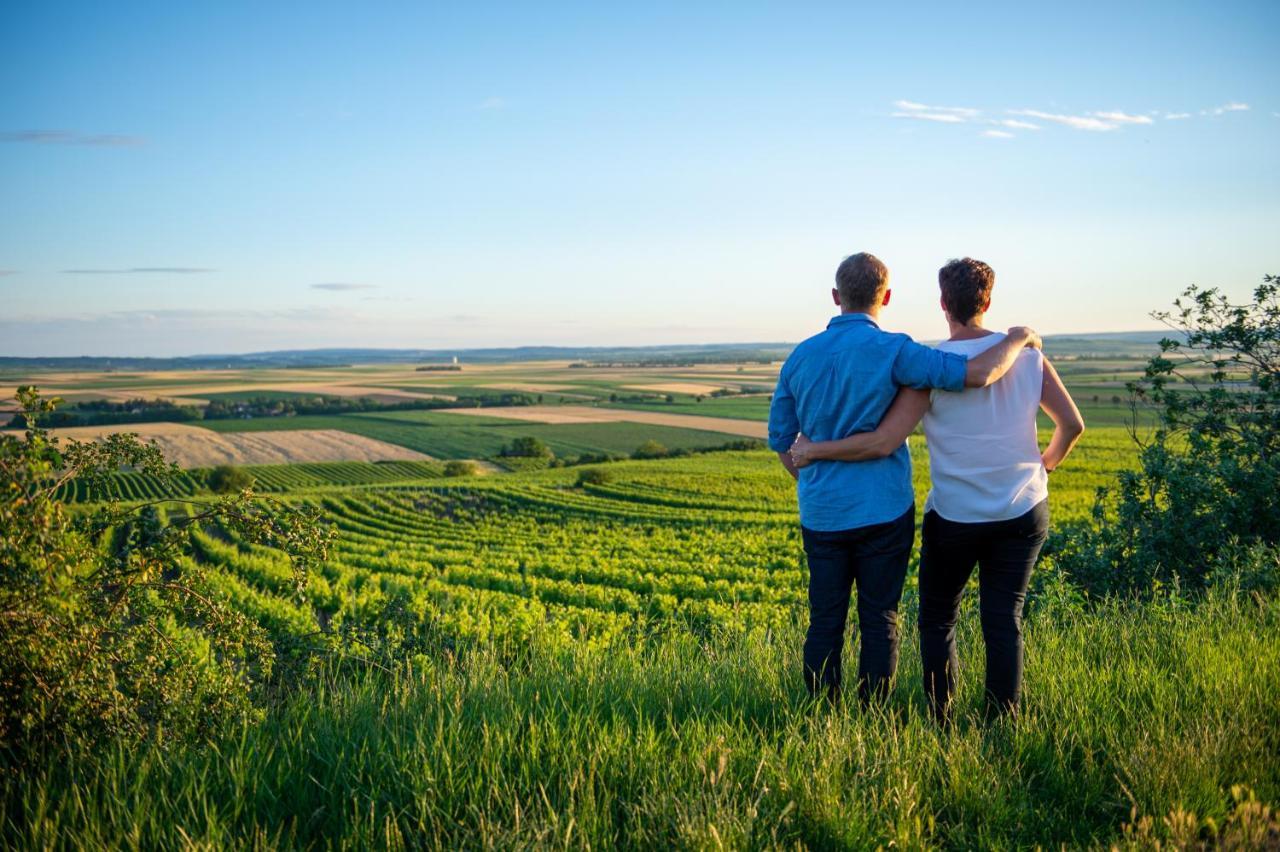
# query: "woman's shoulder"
973,345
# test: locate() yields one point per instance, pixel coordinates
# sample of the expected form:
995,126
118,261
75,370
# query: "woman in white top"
988,502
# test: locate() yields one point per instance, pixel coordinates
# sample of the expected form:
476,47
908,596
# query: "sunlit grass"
671,741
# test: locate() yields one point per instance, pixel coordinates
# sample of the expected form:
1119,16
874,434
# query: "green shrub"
594,476
109,625
229,479
459,468
650,449
527,448
1204,500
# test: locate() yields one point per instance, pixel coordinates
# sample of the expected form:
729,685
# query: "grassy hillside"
618,665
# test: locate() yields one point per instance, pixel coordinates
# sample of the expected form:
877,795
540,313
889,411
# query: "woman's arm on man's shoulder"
907,409
1061,408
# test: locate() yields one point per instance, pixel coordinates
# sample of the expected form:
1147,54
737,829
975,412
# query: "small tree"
229,479
459,468
1206,496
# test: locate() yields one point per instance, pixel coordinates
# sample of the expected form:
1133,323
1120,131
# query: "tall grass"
1130,711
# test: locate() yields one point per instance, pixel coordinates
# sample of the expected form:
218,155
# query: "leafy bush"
594,476
109,624
229,479
1204,501
459,468
650,449
527,448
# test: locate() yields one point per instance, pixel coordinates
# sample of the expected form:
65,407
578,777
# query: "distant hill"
1116,344
1106,344
305,358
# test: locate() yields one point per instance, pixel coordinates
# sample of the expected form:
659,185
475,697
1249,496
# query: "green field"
268,479
712,538
460,436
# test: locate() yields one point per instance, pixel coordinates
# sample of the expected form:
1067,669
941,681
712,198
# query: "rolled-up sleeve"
784,425
922,367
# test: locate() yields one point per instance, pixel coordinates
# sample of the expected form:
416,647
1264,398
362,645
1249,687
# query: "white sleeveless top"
984,456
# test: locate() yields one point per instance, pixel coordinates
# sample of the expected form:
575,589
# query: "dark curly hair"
966,287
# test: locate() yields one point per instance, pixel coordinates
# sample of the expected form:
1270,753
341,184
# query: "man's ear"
835,295
986,307
887,294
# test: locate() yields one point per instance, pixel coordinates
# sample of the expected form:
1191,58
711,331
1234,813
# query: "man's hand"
1027,336
800,452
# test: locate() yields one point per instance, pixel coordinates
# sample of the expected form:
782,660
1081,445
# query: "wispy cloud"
492,103
1099,121
1078,122
70,137
1124,118
4,272
1015,124
142,270
1234,106
912,106
341,286
944,117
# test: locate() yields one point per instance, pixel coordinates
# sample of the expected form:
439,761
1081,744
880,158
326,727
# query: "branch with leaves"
109,622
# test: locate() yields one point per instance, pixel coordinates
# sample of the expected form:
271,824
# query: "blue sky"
179,178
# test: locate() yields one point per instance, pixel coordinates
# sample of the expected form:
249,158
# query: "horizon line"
444,352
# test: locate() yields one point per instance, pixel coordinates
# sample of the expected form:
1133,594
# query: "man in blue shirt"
858,520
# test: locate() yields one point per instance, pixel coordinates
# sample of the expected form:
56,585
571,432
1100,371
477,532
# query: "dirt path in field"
677,387
191,446
586,414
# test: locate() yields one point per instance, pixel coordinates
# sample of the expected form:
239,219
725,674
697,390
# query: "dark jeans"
875,558
1005,552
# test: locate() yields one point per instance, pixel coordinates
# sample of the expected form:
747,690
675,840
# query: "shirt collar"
845,319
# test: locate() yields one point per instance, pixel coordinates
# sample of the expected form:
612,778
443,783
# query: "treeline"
100,412
269,406
105,413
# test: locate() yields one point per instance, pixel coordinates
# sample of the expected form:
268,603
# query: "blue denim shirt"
840,382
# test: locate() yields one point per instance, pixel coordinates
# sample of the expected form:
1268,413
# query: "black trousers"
875,559
1005,552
